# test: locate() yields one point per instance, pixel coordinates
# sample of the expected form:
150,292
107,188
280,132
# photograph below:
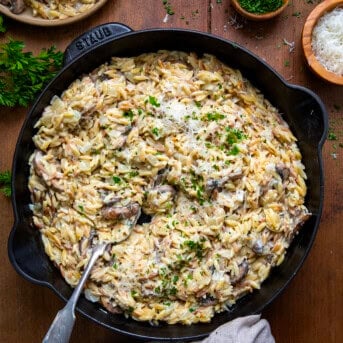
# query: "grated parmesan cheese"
327,41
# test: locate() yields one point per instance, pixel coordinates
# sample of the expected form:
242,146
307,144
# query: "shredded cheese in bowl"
192,145
327,41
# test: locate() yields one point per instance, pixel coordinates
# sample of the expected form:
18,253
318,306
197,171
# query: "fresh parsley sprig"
23,75
5,183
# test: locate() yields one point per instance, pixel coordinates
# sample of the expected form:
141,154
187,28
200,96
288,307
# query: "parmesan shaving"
327,41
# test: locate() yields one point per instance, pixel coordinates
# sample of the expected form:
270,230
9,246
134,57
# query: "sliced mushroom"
283,171
213,184
207,300
5,2
258,247
121,212
17,6
109,306
243,271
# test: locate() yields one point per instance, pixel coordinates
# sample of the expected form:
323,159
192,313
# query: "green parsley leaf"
24,75
133,173
116,179
214,116
129,114
155,131
5,183
153,101
332,136
234,150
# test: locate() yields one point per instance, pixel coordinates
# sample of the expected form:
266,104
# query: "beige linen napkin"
249,329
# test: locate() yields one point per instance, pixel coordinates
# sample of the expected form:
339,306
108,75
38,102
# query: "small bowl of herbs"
259,9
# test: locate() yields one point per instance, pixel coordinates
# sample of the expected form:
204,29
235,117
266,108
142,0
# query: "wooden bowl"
258,17
310,23
28,18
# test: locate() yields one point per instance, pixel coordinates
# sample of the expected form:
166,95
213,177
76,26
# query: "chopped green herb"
133,293
260,7
153,101
234,135
332,136
234,150
214,116
296,14
155,131
133,173
5,183
81,208
167,7
173,291
115,266
286,63
129,114
175,279
196,247
197,103
116,179
191,309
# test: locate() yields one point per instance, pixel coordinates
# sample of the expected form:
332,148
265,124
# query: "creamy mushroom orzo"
190,144
59,9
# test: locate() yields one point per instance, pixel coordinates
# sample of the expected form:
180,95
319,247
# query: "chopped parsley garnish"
153,101
234,135
197,103
215,116
129,114
332,136
133,173
196,247
81,208
134,293
5,183
234,150
155,131
167,7
116,179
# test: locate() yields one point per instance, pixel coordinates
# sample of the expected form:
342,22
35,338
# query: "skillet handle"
93,37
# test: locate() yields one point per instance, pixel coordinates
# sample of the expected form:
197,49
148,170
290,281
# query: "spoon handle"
62,326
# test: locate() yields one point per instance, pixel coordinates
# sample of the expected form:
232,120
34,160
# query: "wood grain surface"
311,308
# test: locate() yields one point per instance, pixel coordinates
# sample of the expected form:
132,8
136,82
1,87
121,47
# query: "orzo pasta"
59,9
189,142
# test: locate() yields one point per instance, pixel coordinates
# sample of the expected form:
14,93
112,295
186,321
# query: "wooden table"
311,308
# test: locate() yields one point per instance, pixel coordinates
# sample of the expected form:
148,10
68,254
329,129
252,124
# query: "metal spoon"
62,326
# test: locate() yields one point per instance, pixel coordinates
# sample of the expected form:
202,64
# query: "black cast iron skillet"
301,108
